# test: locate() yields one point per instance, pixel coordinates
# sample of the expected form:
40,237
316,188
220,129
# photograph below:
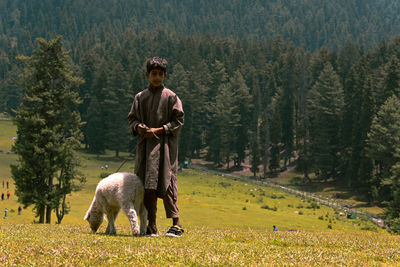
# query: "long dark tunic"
157,159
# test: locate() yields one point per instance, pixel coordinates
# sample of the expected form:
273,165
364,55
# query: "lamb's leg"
141,210
111,217
132,216
143,218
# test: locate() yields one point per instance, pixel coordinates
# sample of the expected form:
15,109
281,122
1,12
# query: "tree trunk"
60,210
48,208
266,146
48,214
41,213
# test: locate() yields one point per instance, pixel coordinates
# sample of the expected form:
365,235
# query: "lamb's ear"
104,218
86,216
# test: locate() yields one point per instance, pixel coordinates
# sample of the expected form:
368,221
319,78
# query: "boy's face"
156,77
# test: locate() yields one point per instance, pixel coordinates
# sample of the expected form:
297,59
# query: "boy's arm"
139,128
173,127
134,117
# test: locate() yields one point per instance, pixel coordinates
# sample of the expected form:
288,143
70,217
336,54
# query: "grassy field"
50,245
227,222
331,189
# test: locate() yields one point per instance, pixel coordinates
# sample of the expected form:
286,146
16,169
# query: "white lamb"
119,190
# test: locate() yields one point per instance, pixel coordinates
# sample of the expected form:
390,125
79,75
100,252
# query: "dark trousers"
150,202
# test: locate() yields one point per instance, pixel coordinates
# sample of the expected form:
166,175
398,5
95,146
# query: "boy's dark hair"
156,62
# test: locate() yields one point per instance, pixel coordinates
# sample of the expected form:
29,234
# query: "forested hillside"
308,23
247,93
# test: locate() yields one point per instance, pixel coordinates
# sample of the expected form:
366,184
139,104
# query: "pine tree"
11,91
219,78
48,129
359,108
393,211
225,120
116,107
96,130
382,144
367,111
274,123
289,78
351,114
391,81
346,58
319,60
255,130
270,126
87,65
243,106
199,86
302,124
179,83
325,101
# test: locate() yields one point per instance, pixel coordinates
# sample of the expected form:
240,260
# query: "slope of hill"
205,199
227,222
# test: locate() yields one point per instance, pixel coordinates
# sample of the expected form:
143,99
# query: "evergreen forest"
312,82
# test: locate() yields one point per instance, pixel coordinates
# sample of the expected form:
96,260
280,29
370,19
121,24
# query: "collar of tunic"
155,89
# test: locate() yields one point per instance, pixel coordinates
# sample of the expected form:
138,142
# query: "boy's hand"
153,132
142,129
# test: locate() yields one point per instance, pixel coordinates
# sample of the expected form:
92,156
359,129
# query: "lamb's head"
94,218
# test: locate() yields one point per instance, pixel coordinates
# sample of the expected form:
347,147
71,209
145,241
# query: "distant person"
3,183
2,196
106,166
5,213
19,210
274,227
156,116
8,194
7,184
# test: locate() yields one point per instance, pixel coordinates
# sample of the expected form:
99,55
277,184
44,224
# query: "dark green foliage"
359,110
116,106
225,120
95,128
325,102
382,148
390,84
275,133
310,23
393,211
269,208
313,205
243,105
367,112
289,85
384,135
48,131
179,81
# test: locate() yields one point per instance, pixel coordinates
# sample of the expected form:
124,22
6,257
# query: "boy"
156,116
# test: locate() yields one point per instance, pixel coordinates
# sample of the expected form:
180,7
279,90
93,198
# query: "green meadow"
227,222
